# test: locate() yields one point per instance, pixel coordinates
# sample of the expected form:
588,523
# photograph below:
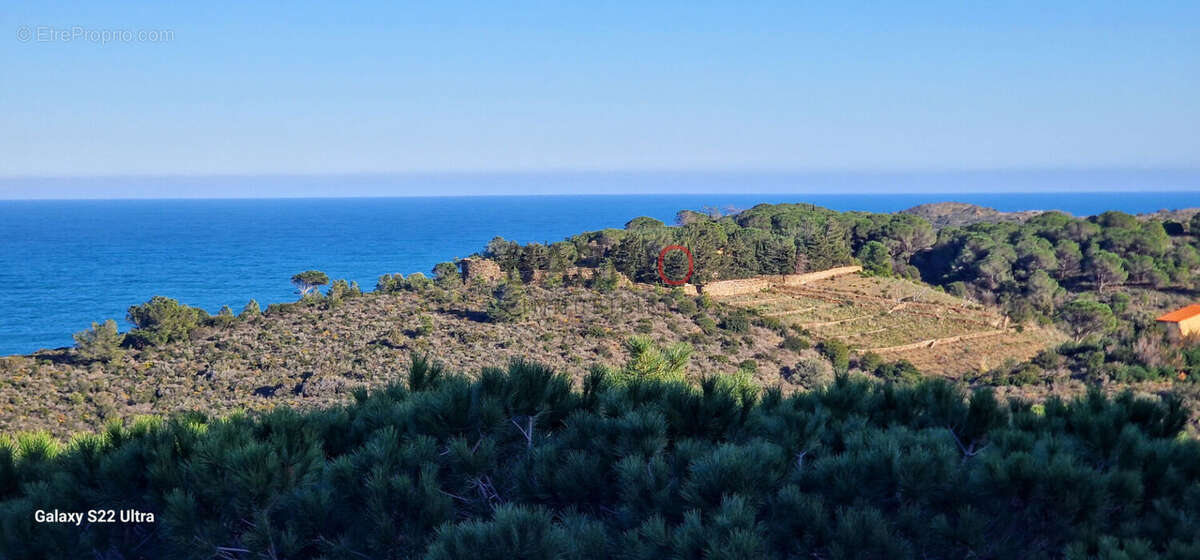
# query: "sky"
393,94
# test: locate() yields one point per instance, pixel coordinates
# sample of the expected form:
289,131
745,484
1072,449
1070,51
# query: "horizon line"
615,194
1188,168
598,183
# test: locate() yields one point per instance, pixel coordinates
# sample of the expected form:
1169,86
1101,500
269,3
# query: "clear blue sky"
434,87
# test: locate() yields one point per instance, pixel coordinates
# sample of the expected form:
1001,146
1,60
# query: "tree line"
1053,268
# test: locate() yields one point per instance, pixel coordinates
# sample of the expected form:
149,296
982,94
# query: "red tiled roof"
1181,314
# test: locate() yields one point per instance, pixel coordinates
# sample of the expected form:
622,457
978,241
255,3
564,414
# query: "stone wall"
475,269
485,271
751,285
738,287
930,343
801,279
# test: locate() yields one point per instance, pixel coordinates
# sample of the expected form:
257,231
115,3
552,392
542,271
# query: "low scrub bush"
100,343
737,322
794,343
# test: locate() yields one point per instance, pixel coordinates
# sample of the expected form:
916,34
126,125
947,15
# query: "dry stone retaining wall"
801,279
751,285
737,287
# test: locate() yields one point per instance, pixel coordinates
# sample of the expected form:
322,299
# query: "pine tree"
102,342
250,310
509,303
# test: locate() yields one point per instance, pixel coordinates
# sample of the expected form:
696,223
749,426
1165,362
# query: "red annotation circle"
662,273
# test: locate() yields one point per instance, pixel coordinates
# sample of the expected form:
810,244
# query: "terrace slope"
899,319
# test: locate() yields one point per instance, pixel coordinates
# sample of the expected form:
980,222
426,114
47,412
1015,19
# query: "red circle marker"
663,274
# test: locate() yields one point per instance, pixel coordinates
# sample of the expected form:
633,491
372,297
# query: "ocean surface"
65,264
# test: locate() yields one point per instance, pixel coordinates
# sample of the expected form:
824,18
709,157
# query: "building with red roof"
1184,321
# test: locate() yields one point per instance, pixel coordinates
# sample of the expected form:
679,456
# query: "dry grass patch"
937,332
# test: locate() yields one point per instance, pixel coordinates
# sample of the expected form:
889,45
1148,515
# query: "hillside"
1046,306
944,214
316,355
902,320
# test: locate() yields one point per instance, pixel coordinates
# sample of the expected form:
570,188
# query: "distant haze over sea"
603,182
65,264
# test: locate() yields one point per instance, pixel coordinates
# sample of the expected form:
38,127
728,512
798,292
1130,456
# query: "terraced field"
899,319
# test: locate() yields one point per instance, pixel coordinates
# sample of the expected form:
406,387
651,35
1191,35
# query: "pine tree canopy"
518,463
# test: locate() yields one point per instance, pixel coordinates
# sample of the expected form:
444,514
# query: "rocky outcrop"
944,214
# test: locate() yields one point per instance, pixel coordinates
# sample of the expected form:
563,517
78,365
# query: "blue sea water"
65,264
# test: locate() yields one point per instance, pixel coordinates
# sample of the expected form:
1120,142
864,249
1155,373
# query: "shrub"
446,275
685,305
1047,359
737,322
426,327
810,371
391,283
223,318
901,370
606,278
869,361
794,343
509,303
595,331
837,353
748,366
341,289
707,324
251,310
773,323
418,282
101,342
162,320
1026,374
283,308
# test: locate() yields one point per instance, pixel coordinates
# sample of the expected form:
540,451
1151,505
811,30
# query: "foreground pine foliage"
519,464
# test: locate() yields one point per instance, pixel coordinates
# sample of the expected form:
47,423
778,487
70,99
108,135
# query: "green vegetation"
813,448
162,320
509,303
446,275
1085,316
250,310
309,280
102,342
517,463
837,353
1037,268
875,259
391,283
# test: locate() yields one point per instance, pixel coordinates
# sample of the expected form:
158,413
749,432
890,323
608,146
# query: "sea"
67,263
